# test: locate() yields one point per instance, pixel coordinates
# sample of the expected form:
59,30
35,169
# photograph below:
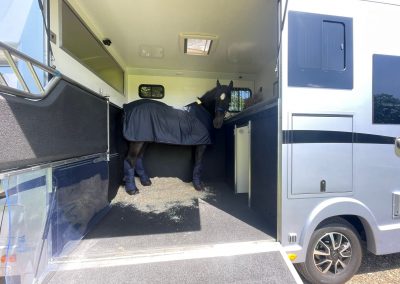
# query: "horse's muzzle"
218,121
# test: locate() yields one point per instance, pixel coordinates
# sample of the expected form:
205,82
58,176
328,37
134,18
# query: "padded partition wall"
264,147
118,150
162,160
264,163
70,122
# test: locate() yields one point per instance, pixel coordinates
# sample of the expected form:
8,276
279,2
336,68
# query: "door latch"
397,146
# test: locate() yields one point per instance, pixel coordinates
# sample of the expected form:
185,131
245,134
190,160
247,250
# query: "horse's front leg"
129,169
198,167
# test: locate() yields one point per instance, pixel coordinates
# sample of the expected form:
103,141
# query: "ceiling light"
151,51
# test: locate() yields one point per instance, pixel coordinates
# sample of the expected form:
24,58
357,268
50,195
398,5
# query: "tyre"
334,253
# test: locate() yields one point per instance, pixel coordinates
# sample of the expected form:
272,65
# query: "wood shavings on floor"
163,195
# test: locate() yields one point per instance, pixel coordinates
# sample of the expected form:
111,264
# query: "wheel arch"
349,209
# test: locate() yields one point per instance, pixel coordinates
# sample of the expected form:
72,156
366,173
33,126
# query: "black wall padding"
118,149
117,142
162,160
264,164
264,152
69,122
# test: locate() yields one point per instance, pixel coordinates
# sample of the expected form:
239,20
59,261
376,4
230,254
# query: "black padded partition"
118,149
162,160
264,164
70,122
264,154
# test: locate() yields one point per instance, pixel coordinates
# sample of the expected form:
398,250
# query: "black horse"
152,121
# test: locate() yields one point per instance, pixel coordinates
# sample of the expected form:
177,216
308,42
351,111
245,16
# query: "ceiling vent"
197,43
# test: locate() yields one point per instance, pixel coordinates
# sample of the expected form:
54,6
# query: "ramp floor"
258,267
182,243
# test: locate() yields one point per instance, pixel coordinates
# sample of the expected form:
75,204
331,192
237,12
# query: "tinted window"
238,99
151,91
320,51
386,89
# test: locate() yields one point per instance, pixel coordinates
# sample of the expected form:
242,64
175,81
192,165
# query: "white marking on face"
222,97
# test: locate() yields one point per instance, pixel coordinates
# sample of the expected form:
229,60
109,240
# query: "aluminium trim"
108,128
235,156
27,58
51,164
249,136
15,69
35,77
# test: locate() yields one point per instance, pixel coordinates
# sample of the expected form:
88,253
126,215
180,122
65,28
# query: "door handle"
397,146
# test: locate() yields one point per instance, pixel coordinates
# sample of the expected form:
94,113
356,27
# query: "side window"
148,91
320,51
238,99
386,89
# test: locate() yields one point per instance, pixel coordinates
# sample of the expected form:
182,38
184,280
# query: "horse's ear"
218,84
231,85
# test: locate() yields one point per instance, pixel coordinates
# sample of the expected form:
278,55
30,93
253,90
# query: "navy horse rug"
152,121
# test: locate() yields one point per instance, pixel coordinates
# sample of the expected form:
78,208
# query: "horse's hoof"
146,182
132,192
199,187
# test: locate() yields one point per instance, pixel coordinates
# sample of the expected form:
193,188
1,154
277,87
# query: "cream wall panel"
179,91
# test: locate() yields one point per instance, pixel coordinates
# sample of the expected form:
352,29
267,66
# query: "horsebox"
303,172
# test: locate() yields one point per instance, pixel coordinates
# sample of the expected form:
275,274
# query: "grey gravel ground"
377,269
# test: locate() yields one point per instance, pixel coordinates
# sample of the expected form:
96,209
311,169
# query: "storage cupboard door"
322,154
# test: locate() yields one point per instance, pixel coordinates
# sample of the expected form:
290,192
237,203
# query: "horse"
147,121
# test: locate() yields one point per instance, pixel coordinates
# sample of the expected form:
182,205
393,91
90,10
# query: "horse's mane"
209,95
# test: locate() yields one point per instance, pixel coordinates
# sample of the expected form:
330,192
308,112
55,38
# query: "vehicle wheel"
333,254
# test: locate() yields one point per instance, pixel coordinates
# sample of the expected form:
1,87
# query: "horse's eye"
222,97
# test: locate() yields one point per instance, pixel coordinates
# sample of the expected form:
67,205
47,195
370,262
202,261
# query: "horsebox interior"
171,212
245,150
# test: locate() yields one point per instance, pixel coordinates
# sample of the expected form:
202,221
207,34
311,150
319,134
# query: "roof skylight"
198,43
195,46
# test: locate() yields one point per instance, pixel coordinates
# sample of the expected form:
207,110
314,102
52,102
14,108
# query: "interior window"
148,91
386,89
238,98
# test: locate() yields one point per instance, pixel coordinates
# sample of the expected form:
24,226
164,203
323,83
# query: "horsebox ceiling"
246,30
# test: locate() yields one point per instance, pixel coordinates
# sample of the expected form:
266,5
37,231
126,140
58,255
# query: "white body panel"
373,171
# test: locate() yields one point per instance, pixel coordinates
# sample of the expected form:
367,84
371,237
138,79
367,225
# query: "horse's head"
222,98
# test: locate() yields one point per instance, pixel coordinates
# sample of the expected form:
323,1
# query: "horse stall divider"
63,139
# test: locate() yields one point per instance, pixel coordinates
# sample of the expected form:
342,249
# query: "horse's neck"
208,102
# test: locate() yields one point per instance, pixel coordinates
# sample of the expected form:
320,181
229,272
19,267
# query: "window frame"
318,76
